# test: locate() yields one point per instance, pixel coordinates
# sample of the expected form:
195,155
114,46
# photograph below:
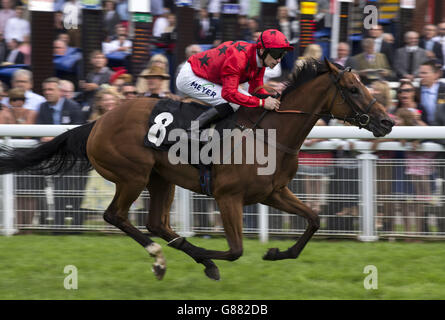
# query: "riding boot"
218,112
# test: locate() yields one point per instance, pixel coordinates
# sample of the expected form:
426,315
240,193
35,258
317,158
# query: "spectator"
6,116
441,39
159,60
59,47
432,91
157,7
59,110
129,91
122,9
343,51
58,23
19,114
370,65
65,37
408,59
100,74
66,89
382,92
287,25
345,186
105,100
380,44
17,27
23,79
6,12
111,18
243,31
154,77
385,209
207,29
121,44
160,23
3,92
168,35
402,187
315,168
119,79
15,56
418,170
389,37
26,204
67,60
3,48
406,95
428,43
25,49
290,28
313,51
5,113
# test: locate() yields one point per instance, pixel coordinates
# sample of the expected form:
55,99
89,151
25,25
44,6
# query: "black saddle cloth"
169,114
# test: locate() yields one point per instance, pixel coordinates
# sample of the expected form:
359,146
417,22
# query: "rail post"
264,222
185,197
8,200
367,191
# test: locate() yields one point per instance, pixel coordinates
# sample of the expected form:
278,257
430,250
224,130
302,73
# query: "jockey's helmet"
274,42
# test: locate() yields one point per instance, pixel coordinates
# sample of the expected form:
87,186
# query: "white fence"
359,195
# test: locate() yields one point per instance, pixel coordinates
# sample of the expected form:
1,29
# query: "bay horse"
113,147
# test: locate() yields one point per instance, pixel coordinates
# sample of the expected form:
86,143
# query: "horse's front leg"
285,200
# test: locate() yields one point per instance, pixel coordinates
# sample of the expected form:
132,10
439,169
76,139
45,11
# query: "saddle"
168,124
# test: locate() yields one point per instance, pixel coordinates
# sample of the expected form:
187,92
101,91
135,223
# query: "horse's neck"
293,128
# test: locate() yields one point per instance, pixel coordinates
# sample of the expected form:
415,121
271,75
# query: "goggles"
277,53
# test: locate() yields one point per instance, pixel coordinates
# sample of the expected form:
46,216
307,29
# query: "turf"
116,267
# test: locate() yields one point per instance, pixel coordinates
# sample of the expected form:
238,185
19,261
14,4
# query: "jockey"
214,76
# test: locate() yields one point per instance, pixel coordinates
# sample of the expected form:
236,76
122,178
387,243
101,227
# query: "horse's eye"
353,90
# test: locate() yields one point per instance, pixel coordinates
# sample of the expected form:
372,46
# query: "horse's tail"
53,157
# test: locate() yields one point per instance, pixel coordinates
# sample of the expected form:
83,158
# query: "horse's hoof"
212,272
159,271
271,254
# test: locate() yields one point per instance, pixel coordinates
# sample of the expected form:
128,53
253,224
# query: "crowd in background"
70,98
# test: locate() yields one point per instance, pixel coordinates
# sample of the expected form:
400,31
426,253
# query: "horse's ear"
330,66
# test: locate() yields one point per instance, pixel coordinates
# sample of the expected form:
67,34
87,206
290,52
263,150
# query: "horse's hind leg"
284,200
117,215
162,194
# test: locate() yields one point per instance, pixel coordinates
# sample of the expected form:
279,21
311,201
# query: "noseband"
360,119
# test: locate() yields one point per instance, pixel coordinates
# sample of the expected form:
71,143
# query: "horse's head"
352,102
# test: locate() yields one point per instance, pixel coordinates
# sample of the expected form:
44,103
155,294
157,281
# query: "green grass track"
116,267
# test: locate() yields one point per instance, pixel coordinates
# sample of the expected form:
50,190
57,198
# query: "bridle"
360,118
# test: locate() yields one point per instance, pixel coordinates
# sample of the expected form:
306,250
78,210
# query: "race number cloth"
168,115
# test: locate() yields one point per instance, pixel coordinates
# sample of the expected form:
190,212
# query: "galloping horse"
113,145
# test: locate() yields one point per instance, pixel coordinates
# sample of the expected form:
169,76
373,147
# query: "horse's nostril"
387,123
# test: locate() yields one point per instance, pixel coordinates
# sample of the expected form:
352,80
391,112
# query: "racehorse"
113,146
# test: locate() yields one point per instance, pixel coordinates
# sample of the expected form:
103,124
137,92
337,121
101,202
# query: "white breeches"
199,88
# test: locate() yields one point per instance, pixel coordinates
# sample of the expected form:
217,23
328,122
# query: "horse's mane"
306,69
